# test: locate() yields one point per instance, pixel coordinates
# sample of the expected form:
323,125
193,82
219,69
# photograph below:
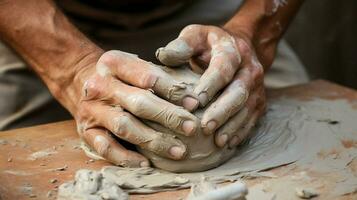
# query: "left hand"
229,63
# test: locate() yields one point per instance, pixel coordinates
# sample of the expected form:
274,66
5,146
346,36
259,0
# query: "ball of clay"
202,153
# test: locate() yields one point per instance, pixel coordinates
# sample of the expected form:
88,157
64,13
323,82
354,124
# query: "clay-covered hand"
229,67
113,92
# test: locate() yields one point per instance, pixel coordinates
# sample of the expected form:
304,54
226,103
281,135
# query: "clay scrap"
306,193
91,185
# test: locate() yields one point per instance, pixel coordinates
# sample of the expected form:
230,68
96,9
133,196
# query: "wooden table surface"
25,175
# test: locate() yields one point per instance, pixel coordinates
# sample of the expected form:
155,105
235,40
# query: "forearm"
264,22
43,36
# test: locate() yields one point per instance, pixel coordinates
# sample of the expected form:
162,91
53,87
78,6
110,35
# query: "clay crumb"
26,189
9,159
32,196
49,194
76,147
60,168
306,193
349,143
53,180
3,142
180,180
90,161
329,121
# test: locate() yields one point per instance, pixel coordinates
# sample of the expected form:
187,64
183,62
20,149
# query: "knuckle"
116,57
192,27
93,88
121,124
101,145
108,57
259,71
148,80
138,102
226,72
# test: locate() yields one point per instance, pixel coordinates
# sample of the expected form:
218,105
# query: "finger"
229,129
233,97
146,75
175,53
101,141
223,65
226,132
190,42
244,132
146,105
127,127
226,105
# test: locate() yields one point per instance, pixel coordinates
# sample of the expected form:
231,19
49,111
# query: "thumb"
175,53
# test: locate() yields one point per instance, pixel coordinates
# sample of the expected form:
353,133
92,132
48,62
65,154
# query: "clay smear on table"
292,131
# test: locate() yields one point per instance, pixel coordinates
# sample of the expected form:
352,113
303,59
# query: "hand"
112,92
229,64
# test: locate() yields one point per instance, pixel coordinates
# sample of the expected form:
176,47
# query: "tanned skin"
106,91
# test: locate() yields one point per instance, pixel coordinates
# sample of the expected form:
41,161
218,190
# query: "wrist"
264,22
259,31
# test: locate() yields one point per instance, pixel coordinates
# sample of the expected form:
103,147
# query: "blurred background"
324,35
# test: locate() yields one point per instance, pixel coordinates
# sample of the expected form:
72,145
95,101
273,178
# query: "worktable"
24,175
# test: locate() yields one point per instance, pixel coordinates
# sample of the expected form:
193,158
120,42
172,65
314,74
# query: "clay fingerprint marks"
170,87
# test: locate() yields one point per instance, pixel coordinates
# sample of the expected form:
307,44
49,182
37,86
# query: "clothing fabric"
25,100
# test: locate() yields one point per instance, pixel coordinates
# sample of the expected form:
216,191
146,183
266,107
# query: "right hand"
110,94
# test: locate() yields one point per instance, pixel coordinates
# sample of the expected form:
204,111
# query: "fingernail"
177,152
203,98
188,127
222,140
189,103
233,142
210,127
144,164
157,53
